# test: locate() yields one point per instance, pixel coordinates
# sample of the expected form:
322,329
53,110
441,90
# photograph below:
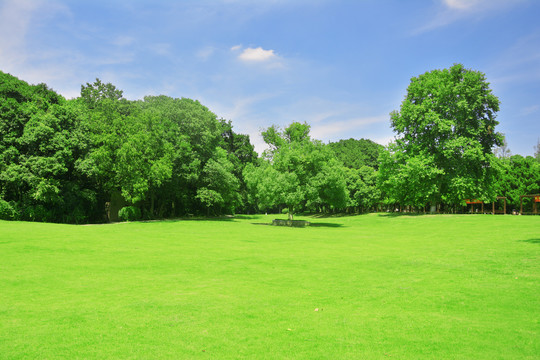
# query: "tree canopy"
63,160
446,133
296,172
83,160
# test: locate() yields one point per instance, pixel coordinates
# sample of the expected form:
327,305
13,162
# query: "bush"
7,211
129,213
38,213
285,211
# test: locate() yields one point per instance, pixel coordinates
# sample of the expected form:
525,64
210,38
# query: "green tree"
240,152
296,172
219,188
446,124
42,140
518,176
93,94
409,180
357,153
195,135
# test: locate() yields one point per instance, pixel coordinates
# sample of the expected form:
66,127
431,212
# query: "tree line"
98,156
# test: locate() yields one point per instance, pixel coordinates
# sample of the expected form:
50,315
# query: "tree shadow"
194,218
398,214
330,225
329,216
247,217
531,241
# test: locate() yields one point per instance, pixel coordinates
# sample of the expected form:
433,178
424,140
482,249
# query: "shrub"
285,211
38,213
7,211
129,213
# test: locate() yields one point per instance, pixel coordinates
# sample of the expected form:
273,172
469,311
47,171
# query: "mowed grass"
360,287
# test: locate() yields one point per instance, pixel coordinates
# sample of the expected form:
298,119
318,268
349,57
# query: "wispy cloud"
205,52
344,128
15,18
123,40
519,63
451,11
162,49
530,110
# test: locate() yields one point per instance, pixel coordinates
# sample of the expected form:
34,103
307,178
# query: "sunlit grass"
370,286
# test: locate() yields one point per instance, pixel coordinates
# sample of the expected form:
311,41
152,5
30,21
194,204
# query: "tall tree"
297,172
447,123
40,144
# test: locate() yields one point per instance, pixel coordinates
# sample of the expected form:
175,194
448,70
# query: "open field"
364,287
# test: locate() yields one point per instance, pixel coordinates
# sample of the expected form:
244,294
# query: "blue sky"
341,66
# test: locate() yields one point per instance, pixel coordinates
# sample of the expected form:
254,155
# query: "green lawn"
360,287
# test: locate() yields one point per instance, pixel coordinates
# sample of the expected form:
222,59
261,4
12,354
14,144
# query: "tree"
537,151
40,143
357,153
518,176
409,181
446,128
296,172
93,94
219,187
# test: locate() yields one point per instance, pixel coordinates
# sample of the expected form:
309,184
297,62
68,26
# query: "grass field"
359,287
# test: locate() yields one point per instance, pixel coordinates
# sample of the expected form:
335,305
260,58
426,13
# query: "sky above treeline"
341,66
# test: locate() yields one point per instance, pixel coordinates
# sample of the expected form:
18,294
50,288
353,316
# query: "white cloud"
236,47
257,55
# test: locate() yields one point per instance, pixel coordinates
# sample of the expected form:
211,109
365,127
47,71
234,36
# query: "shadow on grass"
328,216
246,217
330,225
397,214
194,218
531,241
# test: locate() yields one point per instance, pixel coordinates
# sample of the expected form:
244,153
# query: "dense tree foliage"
518,176
41,144
361,158
297,172
98,156
66,160
446,128
357,153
